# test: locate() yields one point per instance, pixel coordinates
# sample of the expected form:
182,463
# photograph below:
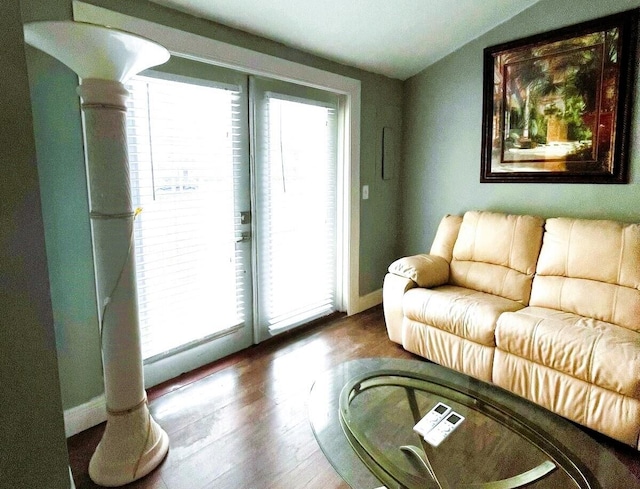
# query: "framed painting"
557,106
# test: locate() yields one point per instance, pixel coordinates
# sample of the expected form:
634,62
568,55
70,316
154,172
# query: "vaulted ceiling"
396,38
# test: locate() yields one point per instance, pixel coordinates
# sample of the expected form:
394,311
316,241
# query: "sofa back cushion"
590,268
497,253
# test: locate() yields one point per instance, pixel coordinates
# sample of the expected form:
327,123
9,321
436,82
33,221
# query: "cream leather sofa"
548,309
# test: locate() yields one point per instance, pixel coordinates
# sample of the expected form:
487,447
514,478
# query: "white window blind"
296,212
184,149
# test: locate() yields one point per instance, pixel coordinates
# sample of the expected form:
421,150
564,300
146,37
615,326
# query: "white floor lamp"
133,444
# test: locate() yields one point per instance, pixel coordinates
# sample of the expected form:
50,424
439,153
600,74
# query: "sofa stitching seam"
591,358
566,262
512,245
510,259
534,339
589,379
566,265
614,302
621,259
585,412
475,237
504,281
531,382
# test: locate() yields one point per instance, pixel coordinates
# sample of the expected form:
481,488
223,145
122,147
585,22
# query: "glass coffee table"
363,415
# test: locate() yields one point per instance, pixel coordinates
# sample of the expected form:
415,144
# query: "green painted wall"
63,186
443,122
33,452
68,236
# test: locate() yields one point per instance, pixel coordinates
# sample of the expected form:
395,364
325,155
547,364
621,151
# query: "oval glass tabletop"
363,414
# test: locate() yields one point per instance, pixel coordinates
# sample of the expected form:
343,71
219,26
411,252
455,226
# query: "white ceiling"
397,38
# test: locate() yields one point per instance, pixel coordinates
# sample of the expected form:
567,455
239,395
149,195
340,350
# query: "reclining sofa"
547,309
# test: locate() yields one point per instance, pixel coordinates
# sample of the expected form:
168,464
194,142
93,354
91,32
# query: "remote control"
444,428
432,418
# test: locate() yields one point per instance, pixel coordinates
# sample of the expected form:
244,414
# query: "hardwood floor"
241,422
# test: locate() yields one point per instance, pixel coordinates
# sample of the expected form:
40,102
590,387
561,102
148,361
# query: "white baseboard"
85,416
368,301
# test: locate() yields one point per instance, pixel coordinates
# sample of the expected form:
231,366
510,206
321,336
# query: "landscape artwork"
557,105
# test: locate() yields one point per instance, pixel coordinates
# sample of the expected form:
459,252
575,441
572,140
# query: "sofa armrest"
425,270
393,291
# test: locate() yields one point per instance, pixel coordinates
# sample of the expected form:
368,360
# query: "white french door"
228,252
188,147
295,154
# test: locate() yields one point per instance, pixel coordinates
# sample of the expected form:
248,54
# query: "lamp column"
133,444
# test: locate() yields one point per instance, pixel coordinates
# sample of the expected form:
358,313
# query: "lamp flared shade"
95,51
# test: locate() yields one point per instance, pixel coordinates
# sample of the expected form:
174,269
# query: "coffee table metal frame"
566,446
390,475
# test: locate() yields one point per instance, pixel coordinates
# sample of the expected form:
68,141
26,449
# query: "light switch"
365,192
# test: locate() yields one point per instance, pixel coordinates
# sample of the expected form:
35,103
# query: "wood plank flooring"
241,422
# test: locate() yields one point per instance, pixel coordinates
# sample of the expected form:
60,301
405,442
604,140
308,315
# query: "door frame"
207,50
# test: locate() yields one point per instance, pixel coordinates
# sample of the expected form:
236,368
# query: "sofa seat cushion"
595,351
463,312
